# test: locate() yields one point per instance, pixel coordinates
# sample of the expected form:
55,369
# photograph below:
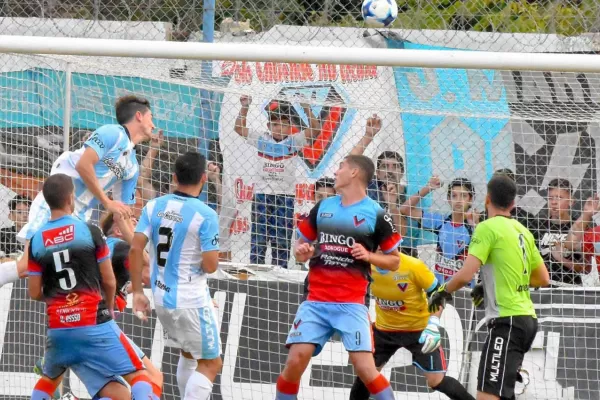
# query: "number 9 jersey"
67,252
179,229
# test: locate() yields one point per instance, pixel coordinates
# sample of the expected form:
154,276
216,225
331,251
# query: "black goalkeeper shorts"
508,339
388,343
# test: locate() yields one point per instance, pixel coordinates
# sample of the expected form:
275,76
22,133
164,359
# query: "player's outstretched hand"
431,338
245,100
477,295
141,306
438,299
360,253
304,251
116,207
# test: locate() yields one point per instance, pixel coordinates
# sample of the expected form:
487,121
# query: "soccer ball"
379,13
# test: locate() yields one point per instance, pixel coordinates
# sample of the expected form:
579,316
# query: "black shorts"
388,343
508,339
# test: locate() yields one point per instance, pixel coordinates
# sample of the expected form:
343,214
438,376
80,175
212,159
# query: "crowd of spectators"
569,243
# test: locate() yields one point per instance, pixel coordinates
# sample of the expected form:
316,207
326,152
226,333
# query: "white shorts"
193,330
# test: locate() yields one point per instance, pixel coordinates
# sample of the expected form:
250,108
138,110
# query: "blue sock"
385,394
40,395
142,390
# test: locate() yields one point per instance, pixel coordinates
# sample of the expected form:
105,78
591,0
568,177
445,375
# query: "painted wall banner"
456,122
36,99
555,132
333,90
255,317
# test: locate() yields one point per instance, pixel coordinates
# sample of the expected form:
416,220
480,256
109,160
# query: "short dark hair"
364,164
18,199
106,223
127,106
190,167
461,182
560,183
57,189
391,154
325,182
502,191
508,172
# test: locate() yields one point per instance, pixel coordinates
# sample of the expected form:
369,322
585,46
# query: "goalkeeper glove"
477,295
438,299
430,338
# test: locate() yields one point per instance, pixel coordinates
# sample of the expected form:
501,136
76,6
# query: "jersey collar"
181,194
126,131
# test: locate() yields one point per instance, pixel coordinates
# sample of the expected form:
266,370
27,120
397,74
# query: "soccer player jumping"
340,236
70,270
510,263
184,247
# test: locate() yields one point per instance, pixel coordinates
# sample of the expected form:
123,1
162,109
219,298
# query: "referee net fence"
414,122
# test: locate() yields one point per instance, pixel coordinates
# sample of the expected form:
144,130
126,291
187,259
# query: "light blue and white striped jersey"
179,229
116,170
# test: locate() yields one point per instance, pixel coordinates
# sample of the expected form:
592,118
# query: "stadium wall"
562,364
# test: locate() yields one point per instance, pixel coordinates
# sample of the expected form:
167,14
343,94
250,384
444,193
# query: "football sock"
185,369
43,389
453,389
9,273
380,388
141,388
359,391
286,390
199,387
157,390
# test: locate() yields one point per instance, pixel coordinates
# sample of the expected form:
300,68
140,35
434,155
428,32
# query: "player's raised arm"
240,123
136,263
109,282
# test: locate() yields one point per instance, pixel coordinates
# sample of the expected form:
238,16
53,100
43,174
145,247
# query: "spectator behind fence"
387,188
324,188
584,238
275,185
551,230
454,230
18,213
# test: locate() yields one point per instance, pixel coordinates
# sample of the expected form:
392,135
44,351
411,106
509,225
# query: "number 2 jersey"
67,252
179,229
334,275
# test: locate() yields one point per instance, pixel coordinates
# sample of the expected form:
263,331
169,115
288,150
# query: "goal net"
415,123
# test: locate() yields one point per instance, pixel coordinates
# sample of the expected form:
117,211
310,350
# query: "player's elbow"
210,261
35,293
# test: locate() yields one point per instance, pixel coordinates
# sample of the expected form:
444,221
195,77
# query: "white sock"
199,387
9,273
185,368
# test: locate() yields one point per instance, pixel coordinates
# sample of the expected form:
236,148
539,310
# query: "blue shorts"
97,354
316,322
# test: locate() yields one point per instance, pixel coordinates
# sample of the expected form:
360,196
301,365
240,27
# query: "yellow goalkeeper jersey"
400,296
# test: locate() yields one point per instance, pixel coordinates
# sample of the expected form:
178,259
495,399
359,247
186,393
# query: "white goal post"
451,113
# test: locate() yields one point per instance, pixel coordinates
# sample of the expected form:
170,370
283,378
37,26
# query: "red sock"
157,390
378,384
286,387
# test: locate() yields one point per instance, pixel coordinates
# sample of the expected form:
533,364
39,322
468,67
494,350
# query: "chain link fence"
182,19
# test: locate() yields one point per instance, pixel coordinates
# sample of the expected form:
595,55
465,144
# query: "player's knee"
433,380
298,360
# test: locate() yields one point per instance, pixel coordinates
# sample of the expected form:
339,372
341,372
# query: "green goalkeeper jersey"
508,255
